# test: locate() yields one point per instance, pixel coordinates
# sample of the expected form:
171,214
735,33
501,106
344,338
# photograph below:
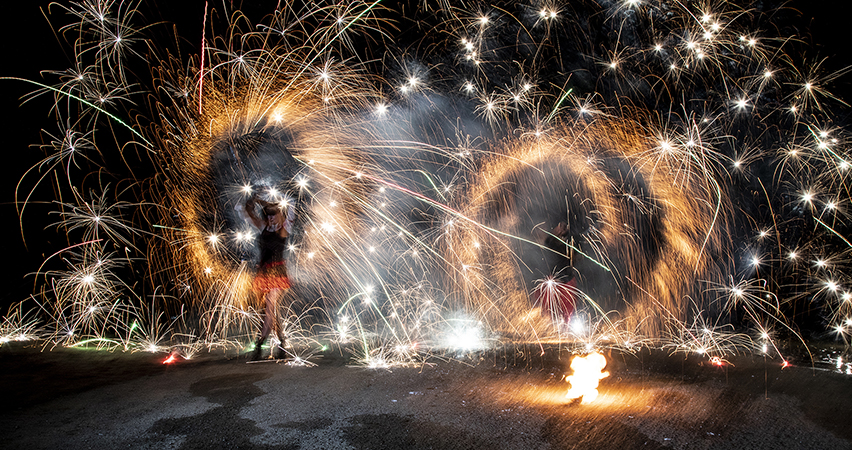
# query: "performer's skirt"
557,299
272,275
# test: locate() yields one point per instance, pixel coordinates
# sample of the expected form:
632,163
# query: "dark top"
272,247
556,261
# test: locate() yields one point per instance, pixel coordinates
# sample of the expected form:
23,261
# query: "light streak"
203,51
87,103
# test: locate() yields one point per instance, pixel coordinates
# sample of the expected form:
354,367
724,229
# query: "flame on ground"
588,371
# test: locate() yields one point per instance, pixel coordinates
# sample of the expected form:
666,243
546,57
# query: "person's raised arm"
251,215
290,219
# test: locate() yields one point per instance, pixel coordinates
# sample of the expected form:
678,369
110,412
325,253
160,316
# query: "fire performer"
271,281
556,295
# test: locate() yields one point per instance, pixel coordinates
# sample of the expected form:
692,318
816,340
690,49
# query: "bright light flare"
588,371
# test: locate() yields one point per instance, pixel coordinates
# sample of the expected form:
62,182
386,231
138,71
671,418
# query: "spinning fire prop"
588,372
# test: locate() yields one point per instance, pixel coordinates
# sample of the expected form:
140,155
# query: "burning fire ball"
588,372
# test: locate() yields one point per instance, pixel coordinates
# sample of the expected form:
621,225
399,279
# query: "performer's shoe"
278,352
258,348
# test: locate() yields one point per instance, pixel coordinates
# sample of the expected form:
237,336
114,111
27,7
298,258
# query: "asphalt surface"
501,399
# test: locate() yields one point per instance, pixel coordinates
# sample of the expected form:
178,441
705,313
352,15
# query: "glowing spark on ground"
587,373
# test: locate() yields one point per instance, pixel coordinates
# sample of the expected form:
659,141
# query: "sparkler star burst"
509,173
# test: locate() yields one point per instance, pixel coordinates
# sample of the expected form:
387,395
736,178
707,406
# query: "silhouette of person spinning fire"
271,281
556,293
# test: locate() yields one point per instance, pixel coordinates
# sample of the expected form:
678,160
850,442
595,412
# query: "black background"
30,45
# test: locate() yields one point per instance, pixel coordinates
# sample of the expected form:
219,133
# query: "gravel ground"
77,399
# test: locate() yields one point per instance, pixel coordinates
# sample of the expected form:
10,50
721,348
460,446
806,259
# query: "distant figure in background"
556,295
271,281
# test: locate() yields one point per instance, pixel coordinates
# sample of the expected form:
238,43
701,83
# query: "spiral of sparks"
692,157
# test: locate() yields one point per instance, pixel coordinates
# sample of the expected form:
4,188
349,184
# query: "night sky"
31,45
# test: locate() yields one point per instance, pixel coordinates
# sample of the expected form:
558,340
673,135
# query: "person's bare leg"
270,313
268,319
274,299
